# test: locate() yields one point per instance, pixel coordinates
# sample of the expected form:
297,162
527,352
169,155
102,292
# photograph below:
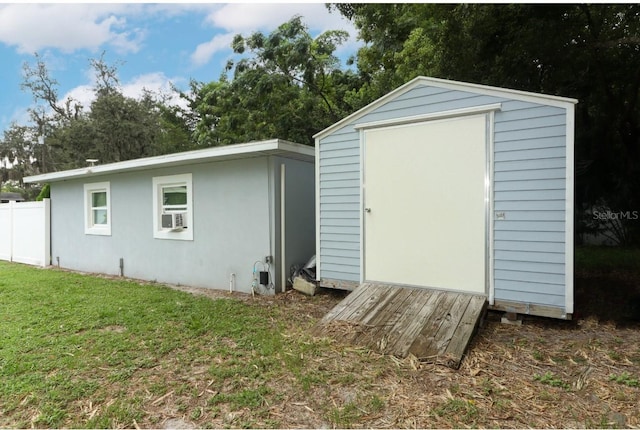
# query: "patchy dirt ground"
545,373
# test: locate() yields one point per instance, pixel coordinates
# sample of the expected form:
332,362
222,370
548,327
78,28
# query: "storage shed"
454,186
212,218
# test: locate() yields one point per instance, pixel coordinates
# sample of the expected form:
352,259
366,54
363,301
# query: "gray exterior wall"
300,222
529,185
233,226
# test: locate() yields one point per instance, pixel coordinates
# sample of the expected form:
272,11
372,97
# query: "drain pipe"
232,282
122,267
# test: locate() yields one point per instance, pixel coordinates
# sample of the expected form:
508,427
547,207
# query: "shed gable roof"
276,147
544,99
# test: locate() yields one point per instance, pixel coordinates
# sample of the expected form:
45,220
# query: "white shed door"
424,198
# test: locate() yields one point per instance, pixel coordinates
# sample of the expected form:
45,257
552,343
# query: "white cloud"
242,18
171,10
68,27
82,94
155,82
205,51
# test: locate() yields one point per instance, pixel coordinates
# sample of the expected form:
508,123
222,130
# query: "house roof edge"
279,147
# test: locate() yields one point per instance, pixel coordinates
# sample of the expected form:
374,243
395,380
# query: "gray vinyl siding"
339,168
530,189
300,223
529,186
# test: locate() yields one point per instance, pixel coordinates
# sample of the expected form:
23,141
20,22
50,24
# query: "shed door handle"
368,210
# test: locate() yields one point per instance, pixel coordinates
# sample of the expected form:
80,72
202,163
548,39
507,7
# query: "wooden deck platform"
434,326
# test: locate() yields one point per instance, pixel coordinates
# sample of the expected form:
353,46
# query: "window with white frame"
97,208
173,207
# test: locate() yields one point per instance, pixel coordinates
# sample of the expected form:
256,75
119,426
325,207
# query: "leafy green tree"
18,148
290,87
588,52
402,41
123,128
112,128
175,130
17,153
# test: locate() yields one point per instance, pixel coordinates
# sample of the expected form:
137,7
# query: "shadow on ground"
608,296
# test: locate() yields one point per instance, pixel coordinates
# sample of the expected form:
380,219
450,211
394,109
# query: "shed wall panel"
524,165
529,184
327,251
530,154
346,275
343,222
553,205
531,256
529,287
539,215
543,142
525,175
340,245
528,246
530,266
532,122
526,276
529,189
517,293
531,133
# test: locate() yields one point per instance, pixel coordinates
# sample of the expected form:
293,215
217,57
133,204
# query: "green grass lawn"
607,258
70,343
92,352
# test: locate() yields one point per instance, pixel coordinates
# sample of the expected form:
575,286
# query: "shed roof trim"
218,153
545,99
430,116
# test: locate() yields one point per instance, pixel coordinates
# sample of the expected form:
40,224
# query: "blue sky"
152,44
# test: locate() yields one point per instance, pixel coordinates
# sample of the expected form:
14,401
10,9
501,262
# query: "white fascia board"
544,99
526,96
368,108
474,110
317,190
569,211
243,150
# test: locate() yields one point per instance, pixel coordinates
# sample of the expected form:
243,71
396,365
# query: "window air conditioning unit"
175,221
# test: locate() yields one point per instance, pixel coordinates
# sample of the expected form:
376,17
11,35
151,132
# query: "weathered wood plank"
430,324
413,321
381,308
466,328
423,347
377,337
450,324
362,294
364,303
368,321
345,303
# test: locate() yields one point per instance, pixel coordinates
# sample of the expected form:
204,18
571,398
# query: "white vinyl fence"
25,232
